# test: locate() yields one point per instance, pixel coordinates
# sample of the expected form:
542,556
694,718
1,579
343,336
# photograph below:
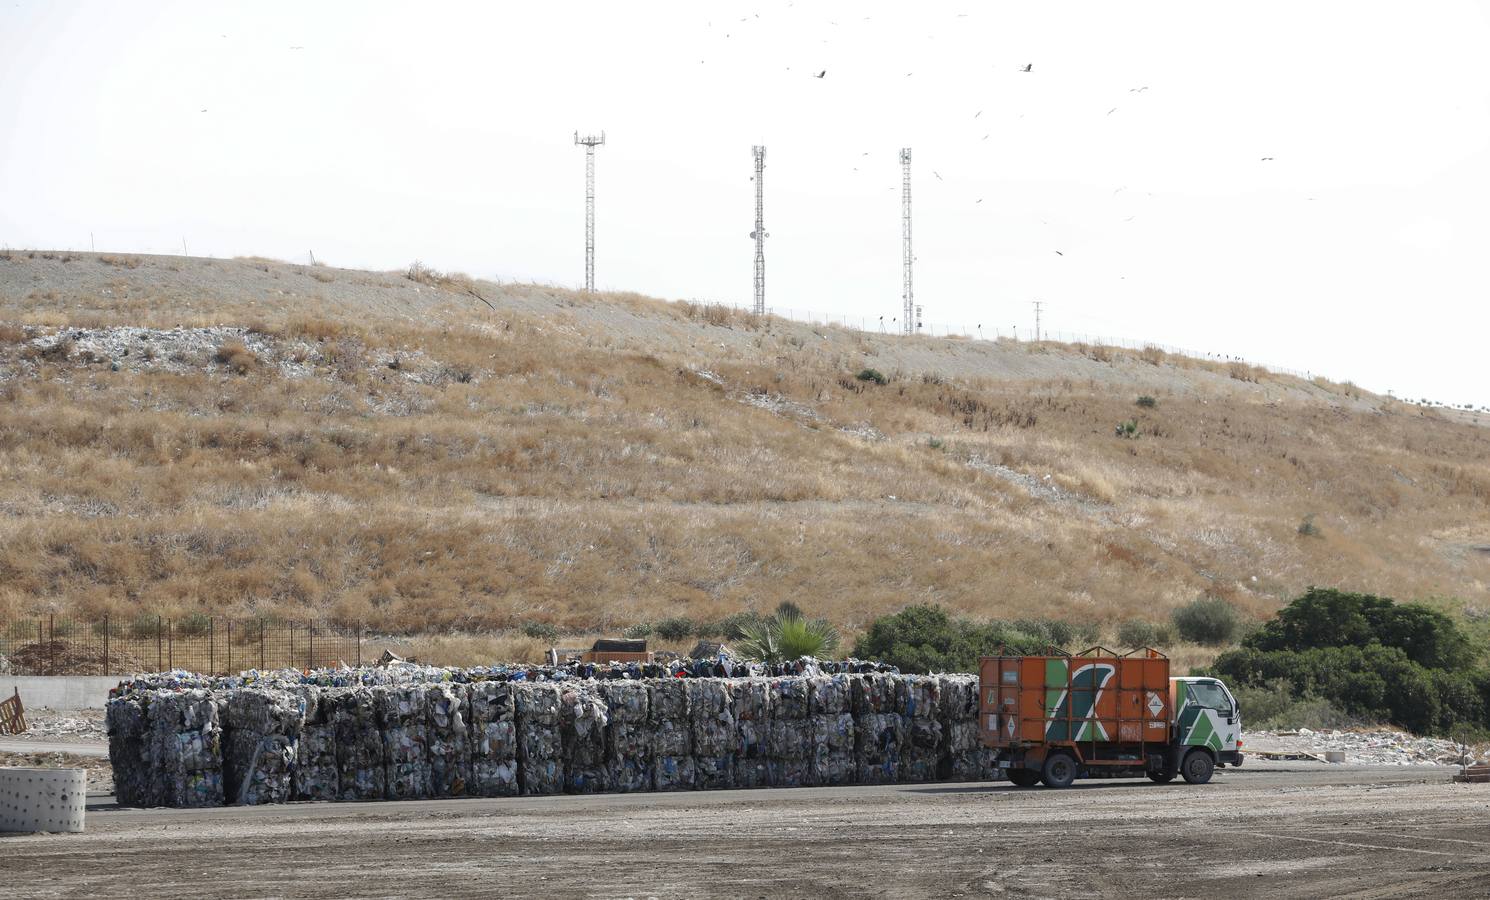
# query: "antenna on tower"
589,142
1038,305
911,322
759,234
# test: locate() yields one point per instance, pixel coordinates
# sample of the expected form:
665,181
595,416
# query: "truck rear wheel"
1161,776
1197,767
1059,770
1023,777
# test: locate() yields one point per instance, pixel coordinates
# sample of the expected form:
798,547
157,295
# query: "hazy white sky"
377,133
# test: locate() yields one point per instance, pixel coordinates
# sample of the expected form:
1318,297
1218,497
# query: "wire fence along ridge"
892,326
55,645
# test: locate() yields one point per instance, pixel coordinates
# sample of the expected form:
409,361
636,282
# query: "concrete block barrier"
49,800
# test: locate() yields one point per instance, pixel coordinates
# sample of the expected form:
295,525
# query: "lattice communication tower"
911,317
589,142
759,234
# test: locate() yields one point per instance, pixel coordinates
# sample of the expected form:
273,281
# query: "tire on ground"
1197,767
1059,770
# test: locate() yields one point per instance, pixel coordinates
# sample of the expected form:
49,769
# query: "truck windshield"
1209,694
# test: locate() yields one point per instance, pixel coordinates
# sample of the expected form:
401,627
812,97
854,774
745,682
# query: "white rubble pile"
84,725
1365,748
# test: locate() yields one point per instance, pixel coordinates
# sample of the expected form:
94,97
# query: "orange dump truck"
1098,713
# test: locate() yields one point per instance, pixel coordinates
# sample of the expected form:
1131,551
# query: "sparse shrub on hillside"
1152,355
873,375
541,631
1147,402
312,328
1243,372
936,443
674,628
120,262
1137,633
1128,429
1307,527
322,276
237,357
10,334
192,624
1207,620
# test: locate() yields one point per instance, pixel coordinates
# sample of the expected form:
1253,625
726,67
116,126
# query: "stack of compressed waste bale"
416,731
261,734
879,729
921,755
830,697
540,742
789,734
493,734
583,718
672,736
448,741
402,715
628,736
715,736
315,775
751,699
361,773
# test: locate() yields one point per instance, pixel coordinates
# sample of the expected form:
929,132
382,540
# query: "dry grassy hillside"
248,436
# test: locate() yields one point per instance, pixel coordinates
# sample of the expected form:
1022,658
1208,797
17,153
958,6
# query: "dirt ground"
1275,830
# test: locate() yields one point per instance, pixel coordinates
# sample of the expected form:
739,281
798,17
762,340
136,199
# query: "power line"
912,313
759,235
589,142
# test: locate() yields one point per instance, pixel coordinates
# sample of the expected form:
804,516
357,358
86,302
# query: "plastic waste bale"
403,716
361,773
713,773
184,748
923,754
959,698
315,775
261,737
875,693
135,780
751,699
715,736
493,725
449,746
829,695
585,716
789,698
878,742
672,735
540,740
790,772
921,697
673,773
833,748
628,737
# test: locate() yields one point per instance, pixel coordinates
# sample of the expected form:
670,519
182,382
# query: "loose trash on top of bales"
410,731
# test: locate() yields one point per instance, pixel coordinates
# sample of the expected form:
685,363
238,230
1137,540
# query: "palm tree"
786,635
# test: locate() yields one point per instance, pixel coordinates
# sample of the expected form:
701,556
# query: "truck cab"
1098,713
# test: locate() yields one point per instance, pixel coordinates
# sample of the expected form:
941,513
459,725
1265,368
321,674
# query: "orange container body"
1105,706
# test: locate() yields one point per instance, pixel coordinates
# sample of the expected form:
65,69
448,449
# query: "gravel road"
1275,830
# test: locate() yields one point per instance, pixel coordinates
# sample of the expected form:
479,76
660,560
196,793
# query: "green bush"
924,639
1147,402
675,628
1325,617
873,375
1128,429
1207,620
1137,633
541,631
193,625
1273,707
730,626
785,636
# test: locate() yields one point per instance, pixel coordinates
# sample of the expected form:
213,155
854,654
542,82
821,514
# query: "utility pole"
759,234
1038,305
912,321
589,142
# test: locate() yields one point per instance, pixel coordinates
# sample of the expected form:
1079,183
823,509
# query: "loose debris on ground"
1369,748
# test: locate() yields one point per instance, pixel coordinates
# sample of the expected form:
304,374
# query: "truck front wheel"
1197,767
1059,770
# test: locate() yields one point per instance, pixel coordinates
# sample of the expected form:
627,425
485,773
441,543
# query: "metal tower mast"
759,234
1039,304
590,142
911,323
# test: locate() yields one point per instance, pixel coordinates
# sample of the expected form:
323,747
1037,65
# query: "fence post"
160,657
106,643
359,645
262,623
230,647
52,643
311,656
291,626
211,645
171,643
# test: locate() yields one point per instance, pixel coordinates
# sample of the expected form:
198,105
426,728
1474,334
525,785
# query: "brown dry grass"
475,469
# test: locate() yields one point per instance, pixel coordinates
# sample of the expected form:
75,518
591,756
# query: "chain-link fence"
56,645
